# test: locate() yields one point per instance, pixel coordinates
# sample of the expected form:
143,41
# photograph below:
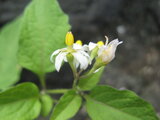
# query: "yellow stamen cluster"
79,42
69,39
100,43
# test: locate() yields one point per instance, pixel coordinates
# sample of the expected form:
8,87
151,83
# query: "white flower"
104,53
107,51
80,56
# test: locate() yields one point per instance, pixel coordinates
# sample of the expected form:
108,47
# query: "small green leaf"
106,102
9,68
90,81
43,30
67,107
46,104
20,102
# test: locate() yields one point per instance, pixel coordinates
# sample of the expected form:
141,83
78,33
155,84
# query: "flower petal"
83,61
84,53
59,59
53,54
77,46
76,63
101,49
85,48
115,43
92,46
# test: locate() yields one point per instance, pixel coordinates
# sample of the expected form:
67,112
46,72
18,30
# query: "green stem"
75,83
42,81
75,74
96,66
88,74
57,91
73,69
79,73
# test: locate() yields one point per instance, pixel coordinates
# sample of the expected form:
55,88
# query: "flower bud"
106,53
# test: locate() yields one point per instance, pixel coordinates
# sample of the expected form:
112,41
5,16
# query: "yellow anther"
100,43
79,42
69,39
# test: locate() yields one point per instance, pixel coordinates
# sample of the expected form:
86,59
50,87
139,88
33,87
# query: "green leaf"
67,107
20,102
90,81
106,102
9,68
43,30
46,105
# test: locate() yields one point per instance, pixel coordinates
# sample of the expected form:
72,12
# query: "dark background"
135,22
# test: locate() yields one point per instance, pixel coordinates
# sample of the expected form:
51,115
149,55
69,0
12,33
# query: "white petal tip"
120,42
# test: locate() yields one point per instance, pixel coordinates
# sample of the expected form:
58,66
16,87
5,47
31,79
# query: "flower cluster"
80,56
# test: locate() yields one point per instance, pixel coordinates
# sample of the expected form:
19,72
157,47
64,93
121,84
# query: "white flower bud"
107,52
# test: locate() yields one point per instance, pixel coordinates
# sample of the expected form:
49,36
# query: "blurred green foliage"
9,67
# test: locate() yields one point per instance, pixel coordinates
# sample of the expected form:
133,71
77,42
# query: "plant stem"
88,74
73,69
57,91
75,83
75,74
42,81
80,72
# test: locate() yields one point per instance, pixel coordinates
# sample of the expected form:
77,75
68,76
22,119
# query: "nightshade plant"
35,41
